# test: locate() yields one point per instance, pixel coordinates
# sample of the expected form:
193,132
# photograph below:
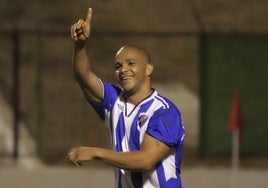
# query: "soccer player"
146,128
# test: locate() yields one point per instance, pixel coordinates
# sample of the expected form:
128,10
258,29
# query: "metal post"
16,101
37,91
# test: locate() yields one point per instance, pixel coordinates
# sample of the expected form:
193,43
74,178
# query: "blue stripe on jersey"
119,178
134,140
171,183
178,159
120,132
161,175
136,178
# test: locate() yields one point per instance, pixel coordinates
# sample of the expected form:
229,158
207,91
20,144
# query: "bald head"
142,52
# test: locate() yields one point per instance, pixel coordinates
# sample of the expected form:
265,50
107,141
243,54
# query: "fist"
80,154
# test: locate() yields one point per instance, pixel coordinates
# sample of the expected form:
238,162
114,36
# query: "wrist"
97,153
80,44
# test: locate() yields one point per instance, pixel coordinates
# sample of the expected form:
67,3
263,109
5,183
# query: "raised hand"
80,31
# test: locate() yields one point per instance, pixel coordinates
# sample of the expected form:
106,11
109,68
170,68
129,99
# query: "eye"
131,63
117,66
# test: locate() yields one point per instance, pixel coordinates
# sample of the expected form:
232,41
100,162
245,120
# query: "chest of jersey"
129,124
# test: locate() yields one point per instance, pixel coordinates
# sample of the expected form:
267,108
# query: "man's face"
131,69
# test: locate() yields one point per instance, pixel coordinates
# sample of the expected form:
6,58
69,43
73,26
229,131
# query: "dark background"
211,47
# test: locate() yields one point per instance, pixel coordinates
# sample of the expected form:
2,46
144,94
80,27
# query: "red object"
235,120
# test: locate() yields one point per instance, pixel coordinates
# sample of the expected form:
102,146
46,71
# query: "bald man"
146,128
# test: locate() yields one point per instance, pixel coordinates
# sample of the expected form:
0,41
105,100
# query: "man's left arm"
151,152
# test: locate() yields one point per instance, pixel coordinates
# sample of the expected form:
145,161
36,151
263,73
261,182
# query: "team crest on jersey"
142,119
121,107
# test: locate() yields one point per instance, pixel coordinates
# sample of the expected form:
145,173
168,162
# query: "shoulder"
165,113
166,106
111,93
111,87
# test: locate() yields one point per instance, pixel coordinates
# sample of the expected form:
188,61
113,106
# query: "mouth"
124,78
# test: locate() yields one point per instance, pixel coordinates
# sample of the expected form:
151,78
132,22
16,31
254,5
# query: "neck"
135,98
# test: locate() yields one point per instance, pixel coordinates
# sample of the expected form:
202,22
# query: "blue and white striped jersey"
156,116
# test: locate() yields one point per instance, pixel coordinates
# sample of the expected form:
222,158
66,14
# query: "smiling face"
133,69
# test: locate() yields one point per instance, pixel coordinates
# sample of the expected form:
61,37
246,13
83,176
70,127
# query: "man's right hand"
80,31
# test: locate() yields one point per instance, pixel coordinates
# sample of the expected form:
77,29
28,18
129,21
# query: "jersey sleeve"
110,95
166,126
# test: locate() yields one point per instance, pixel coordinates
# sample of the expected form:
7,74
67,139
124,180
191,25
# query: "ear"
149,69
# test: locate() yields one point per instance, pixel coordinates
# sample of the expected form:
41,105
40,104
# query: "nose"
124,67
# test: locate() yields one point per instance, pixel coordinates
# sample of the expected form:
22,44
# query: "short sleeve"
111,93
166,126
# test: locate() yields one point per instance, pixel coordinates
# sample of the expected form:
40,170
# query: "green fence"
229,64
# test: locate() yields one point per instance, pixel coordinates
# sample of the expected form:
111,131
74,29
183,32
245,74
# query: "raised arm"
88,81
152,151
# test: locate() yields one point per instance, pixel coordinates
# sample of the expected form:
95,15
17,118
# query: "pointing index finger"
89,15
